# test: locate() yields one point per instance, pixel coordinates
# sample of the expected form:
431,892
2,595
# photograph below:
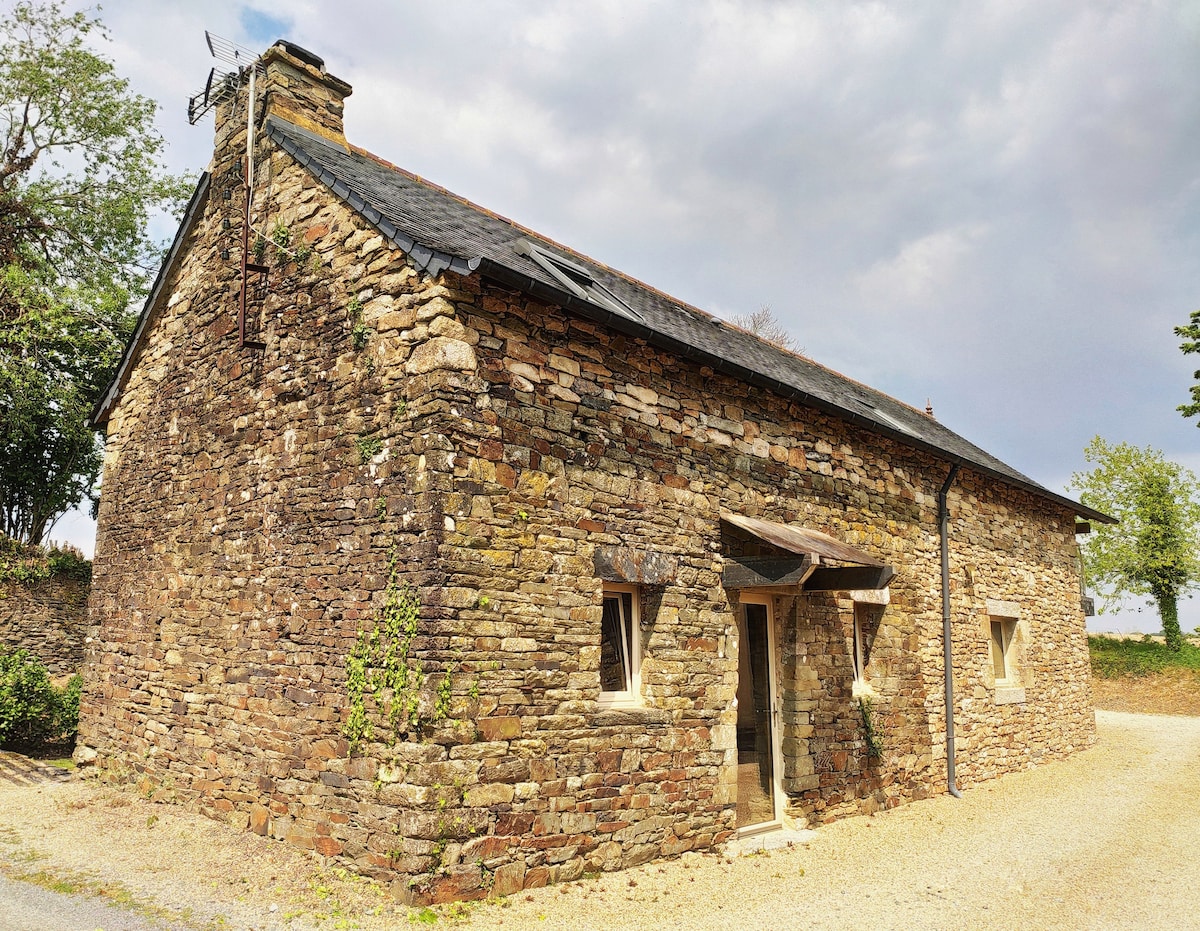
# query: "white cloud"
923,271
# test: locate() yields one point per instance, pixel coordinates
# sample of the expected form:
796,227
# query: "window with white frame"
620,652
1003,656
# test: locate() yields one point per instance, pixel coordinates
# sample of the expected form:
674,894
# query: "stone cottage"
431,545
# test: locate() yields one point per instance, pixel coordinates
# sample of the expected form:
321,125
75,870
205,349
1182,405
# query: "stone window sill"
1010,694
861,689
619,715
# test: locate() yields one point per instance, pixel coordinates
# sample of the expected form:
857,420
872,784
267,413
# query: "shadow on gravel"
17,770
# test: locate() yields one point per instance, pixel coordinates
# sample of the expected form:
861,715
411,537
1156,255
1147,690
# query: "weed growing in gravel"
452,911
457,911
28,855
339,896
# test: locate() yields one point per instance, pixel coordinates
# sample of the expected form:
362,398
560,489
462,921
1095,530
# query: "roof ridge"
624,276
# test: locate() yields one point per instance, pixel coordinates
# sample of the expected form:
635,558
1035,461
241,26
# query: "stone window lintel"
1006,609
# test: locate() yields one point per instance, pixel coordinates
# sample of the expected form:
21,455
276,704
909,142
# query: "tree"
1191,344
80,177
1154,551
764,324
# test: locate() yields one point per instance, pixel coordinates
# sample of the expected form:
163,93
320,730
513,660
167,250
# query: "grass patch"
19,865
77,883
1112,658
452,912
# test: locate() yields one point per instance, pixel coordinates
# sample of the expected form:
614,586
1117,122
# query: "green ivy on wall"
381,668
874,739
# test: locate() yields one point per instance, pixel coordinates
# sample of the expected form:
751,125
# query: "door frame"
780,797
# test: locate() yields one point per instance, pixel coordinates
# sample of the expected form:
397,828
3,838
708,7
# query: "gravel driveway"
1104,840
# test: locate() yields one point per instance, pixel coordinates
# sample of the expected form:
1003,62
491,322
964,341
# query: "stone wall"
45,610
604,441
253,502
449,444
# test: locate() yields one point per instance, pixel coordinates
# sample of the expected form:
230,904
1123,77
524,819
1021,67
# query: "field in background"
1139,674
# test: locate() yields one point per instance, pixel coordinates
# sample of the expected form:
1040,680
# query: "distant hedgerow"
1112,657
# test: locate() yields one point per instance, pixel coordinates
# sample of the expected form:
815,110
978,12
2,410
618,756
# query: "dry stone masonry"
351,587
43,605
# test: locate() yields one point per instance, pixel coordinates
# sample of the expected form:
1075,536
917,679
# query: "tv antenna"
246,65
219,87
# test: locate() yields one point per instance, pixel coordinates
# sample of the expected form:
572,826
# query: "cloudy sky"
992,205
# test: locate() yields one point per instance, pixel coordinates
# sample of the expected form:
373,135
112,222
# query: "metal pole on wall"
947,650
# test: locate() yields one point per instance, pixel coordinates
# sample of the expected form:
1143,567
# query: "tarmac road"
25,907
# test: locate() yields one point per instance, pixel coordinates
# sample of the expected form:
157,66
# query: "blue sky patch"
262,29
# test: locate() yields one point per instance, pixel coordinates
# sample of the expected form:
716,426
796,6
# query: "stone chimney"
291,83
298,89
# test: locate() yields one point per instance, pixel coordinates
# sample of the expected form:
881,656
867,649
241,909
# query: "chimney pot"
303,54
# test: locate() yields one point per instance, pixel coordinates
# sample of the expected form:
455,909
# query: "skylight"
884,418
575,279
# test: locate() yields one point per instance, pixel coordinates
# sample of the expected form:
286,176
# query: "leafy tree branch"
81,175
1191,344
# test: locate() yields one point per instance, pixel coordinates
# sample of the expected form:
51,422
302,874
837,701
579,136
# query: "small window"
860,650
619,645
1003,630
882,417
860,657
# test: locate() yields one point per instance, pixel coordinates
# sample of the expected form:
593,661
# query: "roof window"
575,279
882,417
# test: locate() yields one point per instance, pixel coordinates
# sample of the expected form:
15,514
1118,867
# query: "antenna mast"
246,65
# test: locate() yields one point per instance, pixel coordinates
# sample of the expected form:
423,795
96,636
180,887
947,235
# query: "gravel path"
1103,840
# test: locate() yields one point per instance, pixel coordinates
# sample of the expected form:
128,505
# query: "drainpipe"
947,652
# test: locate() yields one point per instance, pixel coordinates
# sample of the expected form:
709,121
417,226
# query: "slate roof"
440,230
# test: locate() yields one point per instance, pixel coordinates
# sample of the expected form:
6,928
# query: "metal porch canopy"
808,571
